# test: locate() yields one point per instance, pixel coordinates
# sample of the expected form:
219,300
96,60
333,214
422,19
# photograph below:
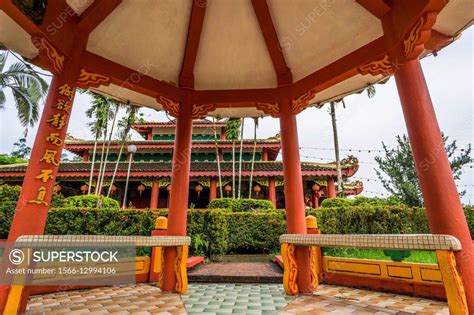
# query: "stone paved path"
241,272
212,299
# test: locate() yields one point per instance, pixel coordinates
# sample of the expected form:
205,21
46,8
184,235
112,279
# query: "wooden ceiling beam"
377,8
396,24
186,76
264,18
96,13
136,80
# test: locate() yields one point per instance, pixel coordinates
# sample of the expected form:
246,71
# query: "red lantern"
57,188
315,187
228,189
113,189
198,189
257,189
141,188
84,188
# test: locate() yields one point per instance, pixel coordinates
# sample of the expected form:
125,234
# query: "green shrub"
242,205
9,193
90,201
254,232
7,209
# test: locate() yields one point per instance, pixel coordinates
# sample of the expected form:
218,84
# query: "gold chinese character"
54,139
63,105
66,90
58,121
45,175
49,157
40,197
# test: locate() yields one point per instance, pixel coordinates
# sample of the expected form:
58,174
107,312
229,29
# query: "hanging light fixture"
228,189
257,189
198,189
57,188
113,189
141,188
84,188
315,187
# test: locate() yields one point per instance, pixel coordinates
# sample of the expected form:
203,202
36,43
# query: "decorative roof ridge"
170,141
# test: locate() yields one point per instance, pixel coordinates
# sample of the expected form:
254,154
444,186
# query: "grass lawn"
416,256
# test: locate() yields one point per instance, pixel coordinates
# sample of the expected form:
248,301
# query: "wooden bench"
443,245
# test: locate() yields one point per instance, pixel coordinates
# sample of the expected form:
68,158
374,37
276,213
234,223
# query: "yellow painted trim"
401,271
142,265
180,269
314,265
290,270
14,299
452,283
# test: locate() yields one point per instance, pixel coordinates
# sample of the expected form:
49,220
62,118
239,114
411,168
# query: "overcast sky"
363,124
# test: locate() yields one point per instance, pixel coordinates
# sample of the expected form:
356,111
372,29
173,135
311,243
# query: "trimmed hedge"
218,231
89,201
242,205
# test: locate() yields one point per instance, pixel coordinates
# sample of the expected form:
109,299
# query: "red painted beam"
96,13
283,72
377,8
136,80
186,77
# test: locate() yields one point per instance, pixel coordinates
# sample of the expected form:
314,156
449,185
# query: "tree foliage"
398,172
27,87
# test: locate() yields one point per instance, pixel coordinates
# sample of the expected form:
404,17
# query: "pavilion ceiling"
234,58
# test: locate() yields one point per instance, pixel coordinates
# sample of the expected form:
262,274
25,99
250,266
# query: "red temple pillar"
443,205
331,188
294,194
149,136
32,208
264,155
155,194
213,189
272,191
85,156
315,200
178,204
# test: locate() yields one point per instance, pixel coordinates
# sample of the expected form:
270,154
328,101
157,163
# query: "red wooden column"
32,208
155,194
294,194
443,206
331,188
85,157
272,191
315,200
212,189
264,155
178,204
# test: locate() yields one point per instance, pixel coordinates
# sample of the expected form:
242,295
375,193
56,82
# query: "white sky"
363,124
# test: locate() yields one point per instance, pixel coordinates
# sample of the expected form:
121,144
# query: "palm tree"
232,133
27,87
255,126
99,112
240,155
126,125
336,148
114,117
216,142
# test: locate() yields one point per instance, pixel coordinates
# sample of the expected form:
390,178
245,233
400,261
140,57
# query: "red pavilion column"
155,194
212,189
85,156
32,208
331,188
441,197
178,204
272,191
294,194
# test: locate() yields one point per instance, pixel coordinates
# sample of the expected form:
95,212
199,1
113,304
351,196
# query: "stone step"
236,273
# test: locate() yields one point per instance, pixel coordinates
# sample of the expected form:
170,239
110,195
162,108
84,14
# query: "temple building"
150,171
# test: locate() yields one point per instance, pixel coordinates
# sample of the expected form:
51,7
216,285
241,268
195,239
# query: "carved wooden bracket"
382,66
300,104
170,106
88,79
45,47
202,110
414,44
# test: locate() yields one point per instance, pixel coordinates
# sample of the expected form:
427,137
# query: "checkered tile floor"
229,298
